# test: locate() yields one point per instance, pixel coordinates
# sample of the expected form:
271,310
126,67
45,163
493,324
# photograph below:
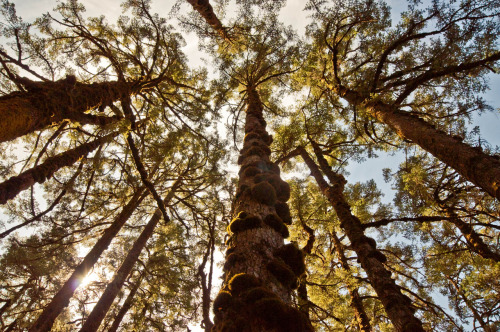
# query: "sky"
294,15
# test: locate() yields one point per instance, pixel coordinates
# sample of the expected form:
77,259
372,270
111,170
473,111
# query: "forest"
142,190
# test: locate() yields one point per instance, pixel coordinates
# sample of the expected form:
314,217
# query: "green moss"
222,301
250,136
231,260
274,168
254,294
251,171
283,211
260,164
273,221
229,251
243,215
284,231
255,150
282,273
271,310
242,282
241,190
241,158
282,188
264,193
378,256
293,257
371,241
243,224
283,194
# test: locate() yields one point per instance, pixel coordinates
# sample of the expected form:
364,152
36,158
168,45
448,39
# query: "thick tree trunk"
472,163
260,272
207,12
356,301
13,186
63,296
126,306
101,308
46,103
397,305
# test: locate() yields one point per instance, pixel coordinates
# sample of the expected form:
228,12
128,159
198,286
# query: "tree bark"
397,305
126,306
207,12
472,163
46,103
473,239
100,310
356,301
14,185
258,278
63,296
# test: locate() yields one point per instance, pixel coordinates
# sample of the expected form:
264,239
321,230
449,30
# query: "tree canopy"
144,190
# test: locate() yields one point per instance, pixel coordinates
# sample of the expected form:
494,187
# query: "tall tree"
390,79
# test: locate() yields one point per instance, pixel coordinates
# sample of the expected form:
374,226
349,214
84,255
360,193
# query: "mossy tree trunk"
207,12
100,310
260,272
38,174
472,163
397,305
356,300
63,296
46,103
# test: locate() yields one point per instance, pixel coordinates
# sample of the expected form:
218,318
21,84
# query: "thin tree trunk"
63,296
207,12
397,305
470,305
100,310
258,278
46,103
472,163
356,301
13,186
473,239
126,305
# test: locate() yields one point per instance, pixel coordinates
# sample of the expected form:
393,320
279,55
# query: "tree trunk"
100,310
356,301
470,305
126,306
473,239
63,296
207,12
397,305
46,103
260,272
13,186
472,163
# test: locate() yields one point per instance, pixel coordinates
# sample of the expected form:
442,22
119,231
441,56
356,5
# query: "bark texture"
107,298
46,103
397,305
474,241
207,12
356,301
260,271
472,163
126,306
14,185
63,296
